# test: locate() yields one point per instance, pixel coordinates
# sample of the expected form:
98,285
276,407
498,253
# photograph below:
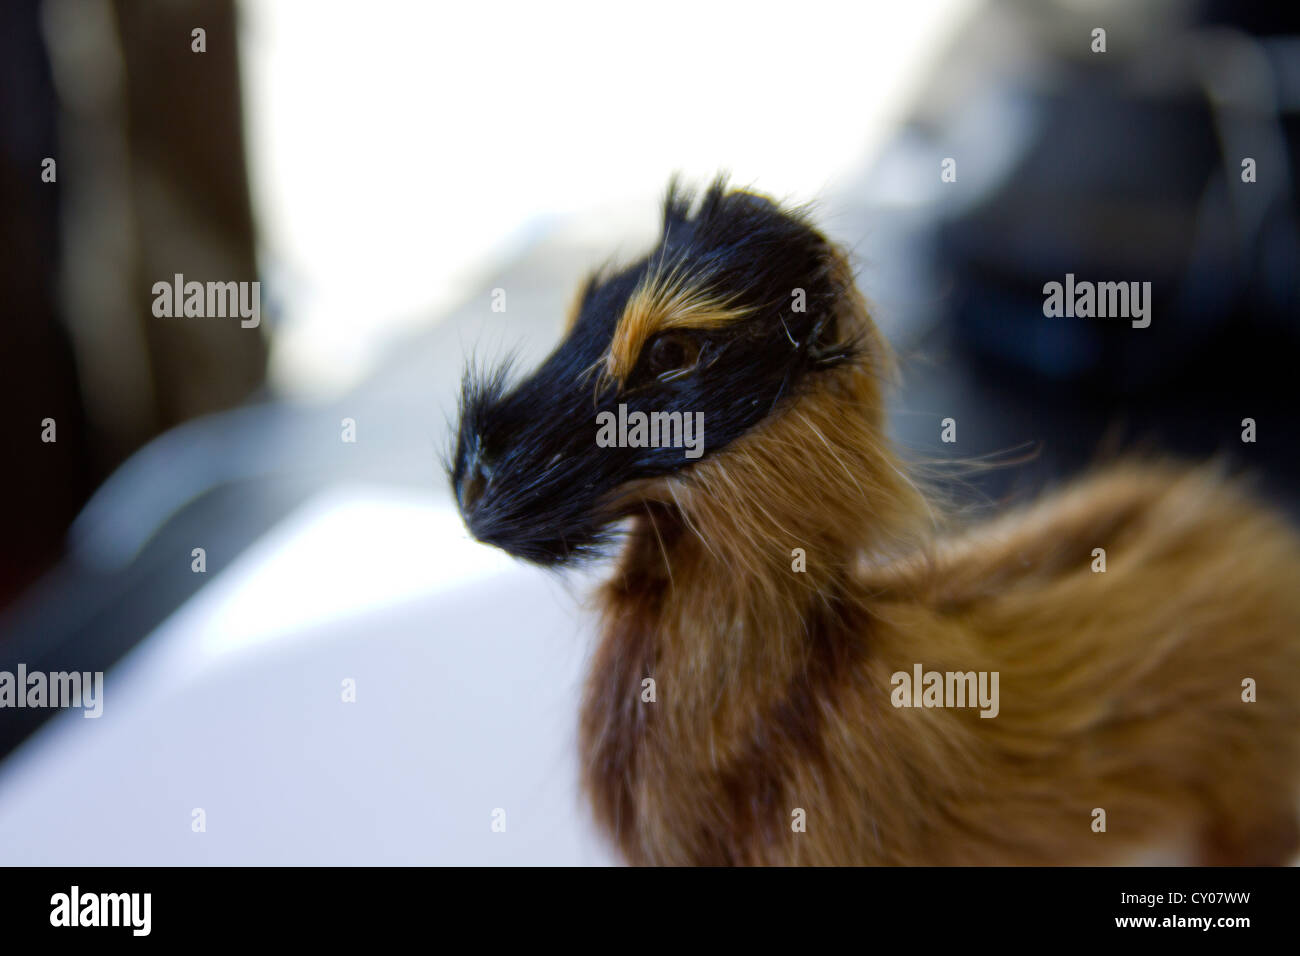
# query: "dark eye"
672,354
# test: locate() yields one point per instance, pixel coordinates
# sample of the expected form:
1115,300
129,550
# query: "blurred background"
380,170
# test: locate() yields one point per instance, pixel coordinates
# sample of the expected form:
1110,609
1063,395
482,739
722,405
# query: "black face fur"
527,471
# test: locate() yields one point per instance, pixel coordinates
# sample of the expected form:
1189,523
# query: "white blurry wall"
398,149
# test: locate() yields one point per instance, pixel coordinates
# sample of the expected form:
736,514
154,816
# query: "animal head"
740,312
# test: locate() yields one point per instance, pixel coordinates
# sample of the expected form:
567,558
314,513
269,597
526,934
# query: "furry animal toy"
803,661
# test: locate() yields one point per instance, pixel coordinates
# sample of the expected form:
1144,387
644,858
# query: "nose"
478,472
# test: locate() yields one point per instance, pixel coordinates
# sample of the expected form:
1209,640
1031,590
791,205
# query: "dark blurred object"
42,491
1123,166
151,181
1133,172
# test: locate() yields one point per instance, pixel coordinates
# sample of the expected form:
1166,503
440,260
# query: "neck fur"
745,550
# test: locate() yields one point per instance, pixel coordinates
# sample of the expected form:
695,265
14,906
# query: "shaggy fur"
1119,690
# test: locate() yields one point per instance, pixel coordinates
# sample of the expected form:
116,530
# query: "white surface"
467,668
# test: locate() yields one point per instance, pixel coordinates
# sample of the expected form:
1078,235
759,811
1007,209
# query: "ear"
677,206
680,201
848,330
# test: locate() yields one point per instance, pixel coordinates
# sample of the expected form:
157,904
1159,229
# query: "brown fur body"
1119,690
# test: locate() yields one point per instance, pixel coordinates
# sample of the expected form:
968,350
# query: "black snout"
476,473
